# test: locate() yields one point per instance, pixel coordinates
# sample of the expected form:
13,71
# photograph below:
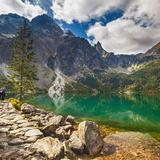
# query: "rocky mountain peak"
46,25
155,50
9,23
100,50
69,33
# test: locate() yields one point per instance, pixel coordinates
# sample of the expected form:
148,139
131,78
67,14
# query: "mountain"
75,57
53,47
154,51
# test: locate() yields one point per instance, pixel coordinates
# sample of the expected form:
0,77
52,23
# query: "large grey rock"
75,143
90,136
27,108
53,148
33,132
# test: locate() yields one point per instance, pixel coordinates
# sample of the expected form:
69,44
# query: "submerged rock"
131,145
89,135
53,148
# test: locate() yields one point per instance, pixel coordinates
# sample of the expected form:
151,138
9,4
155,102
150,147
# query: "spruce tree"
23,61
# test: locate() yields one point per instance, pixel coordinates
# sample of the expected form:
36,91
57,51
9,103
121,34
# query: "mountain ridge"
54,46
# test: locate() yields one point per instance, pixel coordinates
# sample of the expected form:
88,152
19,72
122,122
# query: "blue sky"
79,29
121,26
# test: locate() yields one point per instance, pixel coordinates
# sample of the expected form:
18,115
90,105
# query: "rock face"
51,45
90,136
53,148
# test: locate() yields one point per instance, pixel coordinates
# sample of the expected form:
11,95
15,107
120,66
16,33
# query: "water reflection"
140,113
56,91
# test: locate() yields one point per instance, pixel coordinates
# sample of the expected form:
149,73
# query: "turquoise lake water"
131,113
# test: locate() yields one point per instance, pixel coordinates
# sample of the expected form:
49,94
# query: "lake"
131,113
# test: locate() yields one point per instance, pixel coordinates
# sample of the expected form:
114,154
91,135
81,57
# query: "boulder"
49,146
33,132
75,143
89,135
27,108
56,120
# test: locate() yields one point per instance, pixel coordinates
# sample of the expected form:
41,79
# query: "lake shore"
32,134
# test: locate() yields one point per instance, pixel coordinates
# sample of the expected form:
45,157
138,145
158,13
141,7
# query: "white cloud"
124,37
135,32
128,35
83,10
17,6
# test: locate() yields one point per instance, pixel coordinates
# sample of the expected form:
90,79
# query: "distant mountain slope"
74,56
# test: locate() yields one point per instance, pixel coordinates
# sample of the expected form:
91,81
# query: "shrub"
16,103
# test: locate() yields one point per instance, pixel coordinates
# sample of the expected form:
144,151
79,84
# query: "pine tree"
23,61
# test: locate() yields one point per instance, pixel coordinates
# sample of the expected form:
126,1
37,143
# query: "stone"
27,108
28,124
56,120
75,143
31,139
61,133
89,135
68,127
68,152
21,121
21,133
17,118
33,132
49,146
16,141
49,129
70,119
4,130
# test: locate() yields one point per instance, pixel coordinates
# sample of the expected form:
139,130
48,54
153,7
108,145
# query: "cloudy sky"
122,26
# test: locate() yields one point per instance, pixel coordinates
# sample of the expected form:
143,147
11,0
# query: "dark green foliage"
22,61
146,79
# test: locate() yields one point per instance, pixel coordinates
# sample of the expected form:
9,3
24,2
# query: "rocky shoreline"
34,134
